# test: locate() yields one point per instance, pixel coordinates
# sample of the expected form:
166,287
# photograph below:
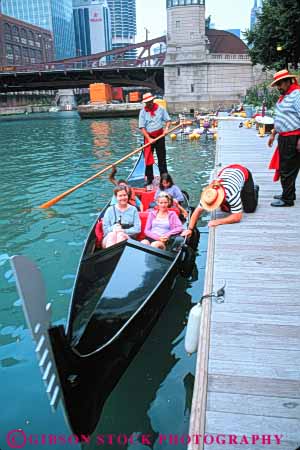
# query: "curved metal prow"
37,312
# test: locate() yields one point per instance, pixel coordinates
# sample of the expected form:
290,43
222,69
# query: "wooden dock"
248,363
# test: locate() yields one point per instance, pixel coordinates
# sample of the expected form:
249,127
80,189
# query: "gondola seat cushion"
147,197
99,233
139,191
175,210
143,219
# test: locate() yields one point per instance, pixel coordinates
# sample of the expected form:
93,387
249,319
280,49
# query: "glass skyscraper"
123,24
92,26
256,9
54,15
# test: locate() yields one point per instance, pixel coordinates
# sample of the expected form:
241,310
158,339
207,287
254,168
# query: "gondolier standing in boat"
151,123
233,191
286,159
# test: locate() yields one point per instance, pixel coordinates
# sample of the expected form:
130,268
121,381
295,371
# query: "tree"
275,39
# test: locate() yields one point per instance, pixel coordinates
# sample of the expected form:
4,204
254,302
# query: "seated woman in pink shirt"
161,223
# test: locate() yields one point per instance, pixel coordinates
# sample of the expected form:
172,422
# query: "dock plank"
261,296
219,439
240,424
256,342
254,318
255,336
256,405
275,308
267,356
279,372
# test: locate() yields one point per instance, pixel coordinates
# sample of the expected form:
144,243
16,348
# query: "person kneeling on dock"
120,221
233,191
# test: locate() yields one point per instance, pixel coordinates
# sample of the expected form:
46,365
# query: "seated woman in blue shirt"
132,197
120,221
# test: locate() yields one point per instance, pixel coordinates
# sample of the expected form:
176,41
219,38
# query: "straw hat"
212,196
148,97
281,75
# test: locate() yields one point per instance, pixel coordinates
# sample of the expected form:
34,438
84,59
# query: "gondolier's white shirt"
153,123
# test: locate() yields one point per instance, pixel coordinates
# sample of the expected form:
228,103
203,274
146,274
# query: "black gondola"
108,321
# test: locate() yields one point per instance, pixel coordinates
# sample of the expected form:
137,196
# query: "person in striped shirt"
233,191
287,126
151,123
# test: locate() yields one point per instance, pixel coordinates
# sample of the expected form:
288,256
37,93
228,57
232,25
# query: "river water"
41,157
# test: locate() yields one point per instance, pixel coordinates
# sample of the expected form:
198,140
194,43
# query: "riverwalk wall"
248,363
23,110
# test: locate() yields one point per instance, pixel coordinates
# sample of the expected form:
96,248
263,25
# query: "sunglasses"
164,196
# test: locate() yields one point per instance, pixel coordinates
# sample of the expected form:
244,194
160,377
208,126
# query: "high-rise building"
254,11
123,24
54,15
22,43
92,26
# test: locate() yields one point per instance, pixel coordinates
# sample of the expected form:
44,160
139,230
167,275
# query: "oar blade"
52,202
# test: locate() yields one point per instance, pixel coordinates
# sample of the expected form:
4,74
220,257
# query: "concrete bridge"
150,77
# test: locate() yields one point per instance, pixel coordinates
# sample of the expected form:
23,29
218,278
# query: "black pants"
160,147
289,166
249,194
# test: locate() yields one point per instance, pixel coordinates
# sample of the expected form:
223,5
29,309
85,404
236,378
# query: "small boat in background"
118,296
54,109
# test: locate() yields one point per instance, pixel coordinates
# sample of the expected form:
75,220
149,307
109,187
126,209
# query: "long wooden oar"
64,194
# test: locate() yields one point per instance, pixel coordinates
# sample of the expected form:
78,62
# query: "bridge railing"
49,67
147,61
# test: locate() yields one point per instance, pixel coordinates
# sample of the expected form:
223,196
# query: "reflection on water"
188,382
41,157
101,132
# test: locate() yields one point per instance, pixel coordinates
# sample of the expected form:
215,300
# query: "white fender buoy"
193,329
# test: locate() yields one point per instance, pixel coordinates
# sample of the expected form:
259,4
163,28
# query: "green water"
42,156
